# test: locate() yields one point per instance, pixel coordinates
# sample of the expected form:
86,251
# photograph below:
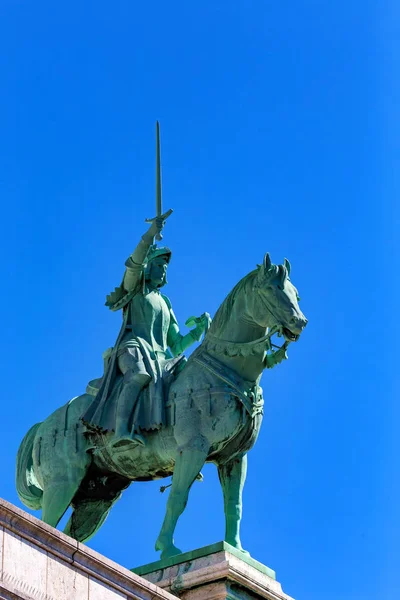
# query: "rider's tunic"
149,327
149,319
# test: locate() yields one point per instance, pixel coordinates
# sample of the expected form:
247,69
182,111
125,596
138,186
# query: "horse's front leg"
232,476
189,461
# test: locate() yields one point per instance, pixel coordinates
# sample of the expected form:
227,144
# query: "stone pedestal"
217,572
37,562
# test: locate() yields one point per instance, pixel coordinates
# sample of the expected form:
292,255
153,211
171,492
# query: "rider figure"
141,352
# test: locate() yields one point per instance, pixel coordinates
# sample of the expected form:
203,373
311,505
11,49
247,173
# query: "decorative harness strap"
243,348
251,399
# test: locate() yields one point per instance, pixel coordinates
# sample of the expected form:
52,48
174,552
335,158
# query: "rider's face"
158,270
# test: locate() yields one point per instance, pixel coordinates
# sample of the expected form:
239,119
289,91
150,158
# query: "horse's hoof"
242,551
170,551
239,548
167,550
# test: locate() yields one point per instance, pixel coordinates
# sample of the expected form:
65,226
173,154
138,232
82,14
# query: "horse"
213,414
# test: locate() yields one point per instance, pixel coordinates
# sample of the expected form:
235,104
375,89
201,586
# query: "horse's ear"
267,262
287,265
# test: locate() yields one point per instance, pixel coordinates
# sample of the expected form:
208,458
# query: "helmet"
154,252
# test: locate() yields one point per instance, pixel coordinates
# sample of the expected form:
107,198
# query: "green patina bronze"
155,414
186,557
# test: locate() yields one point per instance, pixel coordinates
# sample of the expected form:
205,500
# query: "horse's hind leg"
62,479
87,518
232,476
92,503
56,499
190,460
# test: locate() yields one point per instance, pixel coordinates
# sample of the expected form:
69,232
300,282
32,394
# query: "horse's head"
277,300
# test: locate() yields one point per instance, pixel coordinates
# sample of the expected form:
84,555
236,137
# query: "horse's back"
67,416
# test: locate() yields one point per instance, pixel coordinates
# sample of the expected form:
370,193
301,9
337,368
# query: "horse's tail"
29,493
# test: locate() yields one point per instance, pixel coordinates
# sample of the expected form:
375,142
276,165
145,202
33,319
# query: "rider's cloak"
148,323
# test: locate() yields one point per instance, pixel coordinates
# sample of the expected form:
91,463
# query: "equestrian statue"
155,414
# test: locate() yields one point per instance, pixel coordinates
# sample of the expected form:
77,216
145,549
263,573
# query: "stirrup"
138,439
128,440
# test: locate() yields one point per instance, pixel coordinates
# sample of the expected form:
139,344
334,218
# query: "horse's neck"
241,329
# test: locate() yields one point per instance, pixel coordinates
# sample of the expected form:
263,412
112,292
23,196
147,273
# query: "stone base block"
216,572
37,562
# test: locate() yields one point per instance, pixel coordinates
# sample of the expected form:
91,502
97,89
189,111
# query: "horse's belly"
155,460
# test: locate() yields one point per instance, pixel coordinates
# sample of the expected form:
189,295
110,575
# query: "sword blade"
158,172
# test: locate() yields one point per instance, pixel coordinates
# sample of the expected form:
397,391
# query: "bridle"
246,348
257,346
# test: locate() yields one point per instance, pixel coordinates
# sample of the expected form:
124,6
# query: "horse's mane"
224,311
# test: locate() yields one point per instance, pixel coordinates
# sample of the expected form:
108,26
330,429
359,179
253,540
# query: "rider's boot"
127,402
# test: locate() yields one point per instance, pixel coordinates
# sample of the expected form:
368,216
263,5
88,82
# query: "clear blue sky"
279,132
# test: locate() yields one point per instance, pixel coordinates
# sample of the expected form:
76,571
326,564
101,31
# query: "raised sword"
158,184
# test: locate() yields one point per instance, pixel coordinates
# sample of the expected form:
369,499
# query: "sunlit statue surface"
145,349
154,414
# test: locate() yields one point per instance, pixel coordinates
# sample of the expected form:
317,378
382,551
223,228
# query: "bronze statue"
153,414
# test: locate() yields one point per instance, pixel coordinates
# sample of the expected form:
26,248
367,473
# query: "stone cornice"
214,575
82,559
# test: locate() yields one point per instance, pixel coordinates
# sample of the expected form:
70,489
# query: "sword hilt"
164,217
158,235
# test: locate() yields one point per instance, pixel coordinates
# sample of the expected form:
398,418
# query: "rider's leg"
135,379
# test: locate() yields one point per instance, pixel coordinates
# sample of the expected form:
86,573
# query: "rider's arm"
178,342
134,264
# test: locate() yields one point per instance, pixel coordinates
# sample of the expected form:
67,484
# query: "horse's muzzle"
295,327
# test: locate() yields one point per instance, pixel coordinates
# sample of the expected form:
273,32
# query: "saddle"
171,369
